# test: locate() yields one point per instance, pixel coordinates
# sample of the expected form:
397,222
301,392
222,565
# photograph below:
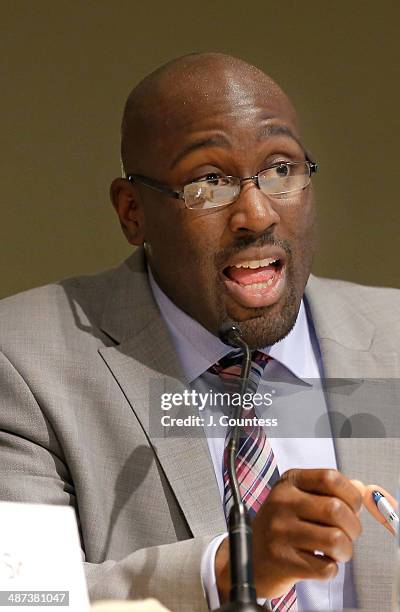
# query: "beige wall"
66,70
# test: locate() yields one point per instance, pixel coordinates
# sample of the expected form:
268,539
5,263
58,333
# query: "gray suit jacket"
77,362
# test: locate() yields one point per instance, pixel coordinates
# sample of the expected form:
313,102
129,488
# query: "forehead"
224,106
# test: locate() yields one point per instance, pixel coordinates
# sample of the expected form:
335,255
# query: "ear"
129,207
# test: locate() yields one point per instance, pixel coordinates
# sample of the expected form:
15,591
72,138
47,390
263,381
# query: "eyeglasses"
279,180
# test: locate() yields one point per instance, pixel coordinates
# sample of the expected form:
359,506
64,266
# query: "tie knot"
229,367
233,359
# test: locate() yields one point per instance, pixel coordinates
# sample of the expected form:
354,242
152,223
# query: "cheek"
181,249
300,221
180,240
165,230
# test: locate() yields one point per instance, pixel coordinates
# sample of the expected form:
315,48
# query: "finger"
310,566
360,486
327,511
372,508
369,503
325,482
367,490
295,565
332,541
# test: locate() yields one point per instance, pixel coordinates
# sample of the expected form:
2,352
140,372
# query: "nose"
252,212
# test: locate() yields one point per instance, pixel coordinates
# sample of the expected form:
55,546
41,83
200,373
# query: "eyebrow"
219,140
279,130
214,141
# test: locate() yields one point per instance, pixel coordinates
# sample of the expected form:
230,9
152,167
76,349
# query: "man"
80,359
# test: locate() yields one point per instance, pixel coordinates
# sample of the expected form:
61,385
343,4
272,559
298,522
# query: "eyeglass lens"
276,181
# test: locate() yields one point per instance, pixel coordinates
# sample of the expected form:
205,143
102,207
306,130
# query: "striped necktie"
256,467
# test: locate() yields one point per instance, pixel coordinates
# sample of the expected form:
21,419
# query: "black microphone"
230,333
242,597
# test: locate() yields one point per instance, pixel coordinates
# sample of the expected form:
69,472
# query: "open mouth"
256,282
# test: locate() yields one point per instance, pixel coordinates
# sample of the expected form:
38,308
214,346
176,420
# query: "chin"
271,324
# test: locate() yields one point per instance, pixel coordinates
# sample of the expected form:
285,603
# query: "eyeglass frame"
180,195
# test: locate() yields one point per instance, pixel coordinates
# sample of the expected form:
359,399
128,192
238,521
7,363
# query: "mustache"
242,243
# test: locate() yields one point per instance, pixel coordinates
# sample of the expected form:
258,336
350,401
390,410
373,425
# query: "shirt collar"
198,348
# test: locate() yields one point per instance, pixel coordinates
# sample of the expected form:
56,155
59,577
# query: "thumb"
368,501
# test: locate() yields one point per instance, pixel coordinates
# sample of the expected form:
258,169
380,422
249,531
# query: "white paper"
40,551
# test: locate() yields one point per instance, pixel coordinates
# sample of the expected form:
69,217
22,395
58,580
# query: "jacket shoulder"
43,310
366,298
346,302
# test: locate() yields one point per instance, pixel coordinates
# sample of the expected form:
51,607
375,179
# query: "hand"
306,511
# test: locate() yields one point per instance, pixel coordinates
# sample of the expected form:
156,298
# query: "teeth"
268,283
256,263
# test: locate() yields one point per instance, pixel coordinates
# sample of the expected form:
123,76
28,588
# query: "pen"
386,510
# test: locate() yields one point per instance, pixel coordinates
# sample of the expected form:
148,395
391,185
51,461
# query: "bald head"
173,95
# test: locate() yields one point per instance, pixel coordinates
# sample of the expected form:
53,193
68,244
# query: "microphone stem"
240,531
235,431
242,596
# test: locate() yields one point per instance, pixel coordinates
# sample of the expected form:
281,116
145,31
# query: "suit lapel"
144,364
350,360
